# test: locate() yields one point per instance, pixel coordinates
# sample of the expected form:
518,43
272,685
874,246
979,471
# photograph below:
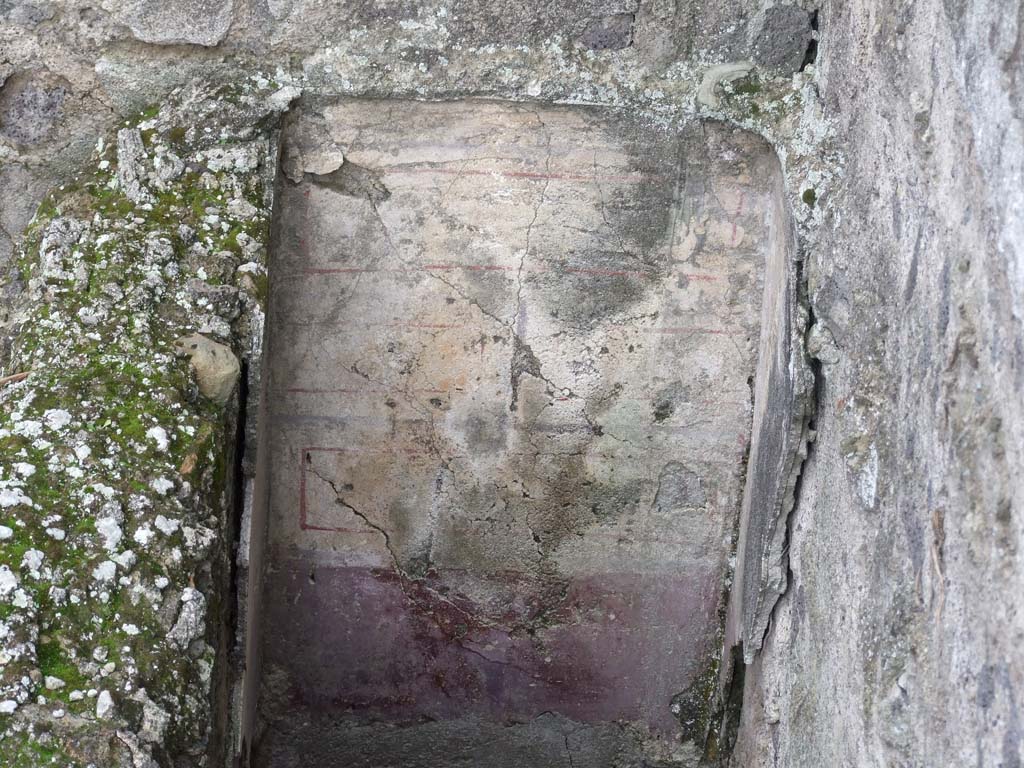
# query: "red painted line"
313,271
539,175
337,530
670,331
367,391
568,270
349,271
304,391
356,324
408,451
472,267
421,325
607,272
680,331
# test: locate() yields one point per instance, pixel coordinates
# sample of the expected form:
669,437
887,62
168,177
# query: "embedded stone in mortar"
720,73
781,43
131,155
613,32
168,22
31,103
309,148
215,365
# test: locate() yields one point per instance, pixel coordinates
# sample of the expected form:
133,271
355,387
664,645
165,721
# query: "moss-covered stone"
114,470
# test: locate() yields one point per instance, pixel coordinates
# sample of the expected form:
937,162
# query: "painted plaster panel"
511,350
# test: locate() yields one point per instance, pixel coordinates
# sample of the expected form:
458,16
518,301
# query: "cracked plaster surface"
510,405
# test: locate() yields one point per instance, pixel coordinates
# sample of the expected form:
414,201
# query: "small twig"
14,377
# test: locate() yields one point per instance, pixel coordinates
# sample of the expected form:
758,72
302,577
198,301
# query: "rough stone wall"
140,287
898,642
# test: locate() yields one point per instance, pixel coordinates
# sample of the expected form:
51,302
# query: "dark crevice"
811,54
721,737
817,387
721,740
230,653
733,700
238,485
809,432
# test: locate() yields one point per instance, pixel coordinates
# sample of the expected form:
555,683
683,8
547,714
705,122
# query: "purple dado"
372,642
509,404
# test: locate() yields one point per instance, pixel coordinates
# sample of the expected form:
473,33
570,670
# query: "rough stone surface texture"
899,639
117,452
783,409
895,546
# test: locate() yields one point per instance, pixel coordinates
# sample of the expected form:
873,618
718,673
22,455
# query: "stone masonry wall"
898,642
141,284
71,72
897,638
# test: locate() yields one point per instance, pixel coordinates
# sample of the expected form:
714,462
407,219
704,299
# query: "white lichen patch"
165,525
13,497
159,436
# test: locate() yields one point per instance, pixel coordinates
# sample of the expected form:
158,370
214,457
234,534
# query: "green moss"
810,197
53,661
29,253
47,210
106,376
13,549
24,751
262,283
256,229
186,203
692,707
747,87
